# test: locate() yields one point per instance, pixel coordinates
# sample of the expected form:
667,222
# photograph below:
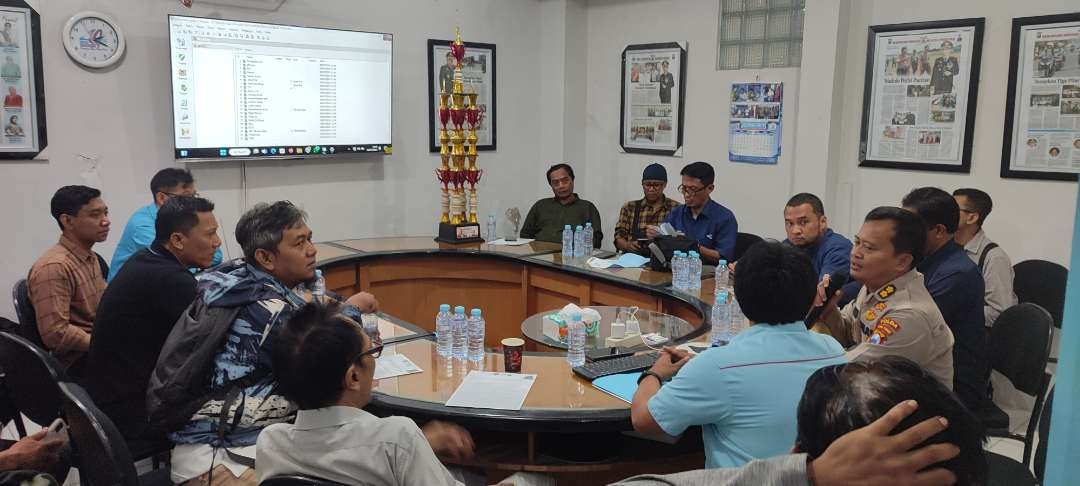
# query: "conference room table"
566,426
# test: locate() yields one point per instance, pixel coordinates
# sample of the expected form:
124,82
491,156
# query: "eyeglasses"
173,194
690,190
964,210
652,185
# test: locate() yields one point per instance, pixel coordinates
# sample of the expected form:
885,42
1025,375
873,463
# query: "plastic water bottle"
476,336
318,287
694,282
444,331
491,228
579,244
458,325
588,239
575,354
738,320
567,244
721,319
722,278
678,270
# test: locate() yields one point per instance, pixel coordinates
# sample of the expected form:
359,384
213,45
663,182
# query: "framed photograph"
23,83
919,100
1042,111
653,83
478,76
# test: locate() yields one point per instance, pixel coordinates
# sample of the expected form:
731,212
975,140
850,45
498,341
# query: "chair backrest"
743,242
1044,437
297,480
100,453
1042,282
32,376
24,310
1020,346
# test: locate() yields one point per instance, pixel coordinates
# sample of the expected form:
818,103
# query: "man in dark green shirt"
548,216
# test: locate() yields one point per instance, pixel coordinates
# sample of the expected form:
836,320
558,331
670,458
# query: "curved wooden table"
566,425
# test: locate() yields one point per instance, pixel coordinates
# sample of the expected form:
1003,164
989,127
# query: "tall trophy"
458,222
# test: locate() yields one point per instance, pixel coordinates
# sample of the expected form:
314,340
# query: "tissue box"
554,327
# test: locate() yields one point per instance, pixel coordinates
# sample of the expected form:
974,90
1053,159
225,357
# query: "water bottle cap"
318,273
588,225
721,295
444,308
579,227
575,316
694,253
459,310
476,312
566,227
723,263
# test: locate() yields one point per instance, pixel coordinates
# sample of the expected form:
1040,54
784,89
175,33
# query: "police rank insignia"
885,327
880,306
870,315
886,292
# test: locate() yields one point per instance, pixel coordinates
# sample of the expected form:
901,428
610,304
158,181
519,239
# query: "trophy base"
459,233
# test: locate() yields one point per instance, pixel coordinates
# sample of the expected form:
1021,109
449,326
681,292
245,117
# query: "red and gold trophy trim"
458,222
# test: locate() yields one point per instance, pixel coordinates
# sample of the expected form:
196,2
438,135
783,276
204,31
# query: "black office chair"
1006,471
297,480
1019,349
1042,282
99,451
24,310
31,376
743,242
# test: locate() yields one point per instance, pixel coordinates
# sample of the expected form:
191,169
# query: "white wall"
123,117
1031,219
756,193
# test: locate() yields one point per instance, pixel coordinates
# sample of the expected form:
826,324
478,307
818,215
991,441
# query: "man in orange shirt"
67,282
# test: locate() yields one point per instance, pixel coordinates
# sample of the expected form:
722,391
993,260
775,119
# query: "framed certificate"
920,95
1042,112
653,87
478,76
21,81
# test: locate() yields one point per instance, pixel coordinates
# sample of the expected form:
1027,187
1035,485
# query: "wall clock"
93,39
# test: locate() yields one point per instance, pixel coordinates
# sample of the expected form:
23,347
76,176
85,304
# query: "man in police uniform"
893,313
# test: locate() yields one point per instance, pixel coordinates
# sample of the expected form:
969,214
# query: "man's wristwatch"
647,373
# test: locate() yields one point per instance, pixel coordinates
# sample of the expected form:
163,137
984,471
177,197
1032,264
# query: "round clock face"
93,41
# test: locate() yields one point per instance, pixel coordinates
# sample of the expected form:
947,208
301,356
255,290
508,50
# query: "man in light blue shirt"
744,394
139,231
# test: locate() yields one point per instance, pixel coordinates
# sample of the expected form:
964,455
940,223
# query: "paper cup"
512,351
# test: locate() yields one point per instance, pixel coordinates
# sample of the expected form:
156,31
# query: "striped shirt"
66,285
651,215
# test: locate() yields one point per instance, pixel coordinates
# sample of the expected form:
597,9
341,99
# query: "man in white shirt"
325,363
993,262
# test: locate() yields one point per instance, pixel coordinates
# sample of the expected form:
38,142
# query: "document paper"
394,365
486,389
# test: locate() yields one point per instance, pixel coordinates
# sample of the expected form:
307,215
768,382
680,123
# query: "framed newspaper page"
478,76
22,81
920,95
1042,112
651,109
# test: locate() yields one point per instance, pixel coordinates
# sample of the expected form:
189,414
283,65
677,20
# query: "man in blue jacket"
957,286
808,229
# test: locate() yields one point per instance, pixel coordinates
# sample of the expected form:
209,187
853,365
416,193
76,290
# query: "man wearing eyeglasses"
139,231
635,217
713,226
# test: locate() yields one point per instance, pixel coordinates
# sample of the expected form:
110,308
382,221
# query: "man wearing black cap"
636,216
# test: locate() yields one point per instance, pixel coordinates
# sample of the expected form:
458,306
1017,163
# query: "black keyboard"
637,362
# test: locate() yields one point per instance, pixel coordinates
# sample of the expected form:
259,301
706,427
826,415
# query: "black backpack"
180,383
663,247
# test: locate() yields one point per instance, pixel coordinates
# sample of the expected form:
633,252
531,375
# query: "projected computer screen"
253,90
